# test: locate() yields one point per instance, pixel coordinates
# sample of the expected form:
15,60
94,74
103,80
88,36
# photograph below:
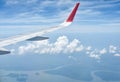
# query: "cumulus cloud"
88,48
97,53
66,46
117,54
61,45
103,51
112,49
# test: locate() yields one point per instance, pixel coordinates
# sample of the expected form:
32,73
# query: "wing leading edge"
15,39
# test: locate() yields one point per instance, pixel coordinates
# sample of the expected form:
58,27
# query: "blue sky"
92,16
99,19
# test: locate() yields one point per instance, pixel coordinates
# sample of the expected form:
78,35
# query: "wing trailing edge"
34,36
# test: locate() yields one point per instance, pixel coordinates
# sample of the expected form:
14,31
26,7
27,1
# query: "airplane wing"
36,35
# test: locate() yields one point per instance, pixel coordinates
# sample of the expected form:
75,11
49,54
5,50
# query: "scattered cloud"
19,2
89,48
65,46
89,12
117,54
37,12
103,51
112,49
62,45
96,53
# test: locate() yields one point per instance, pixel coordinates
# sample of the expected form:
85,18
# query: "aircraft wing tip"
72,14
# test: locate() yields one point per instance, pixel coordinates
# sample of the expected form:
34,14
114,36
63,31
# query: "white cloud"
62,45
96,53
112,49
11,2
117,54
93,55
73,46
89,12
66,46
17,2
89,48
115,51
32,14
103,51
29,47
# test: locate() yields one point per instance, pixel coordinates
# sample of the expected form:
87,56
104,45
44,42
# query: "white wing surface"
35,35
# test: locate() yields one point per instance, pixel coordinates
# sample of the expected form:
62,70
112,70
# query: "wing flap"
4,51
37,38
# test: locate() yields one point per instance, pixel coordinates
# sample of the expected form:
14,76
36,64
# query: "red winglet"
71,16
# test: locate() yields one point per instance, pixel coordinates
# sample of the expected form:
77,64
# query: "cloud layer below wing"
65,46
